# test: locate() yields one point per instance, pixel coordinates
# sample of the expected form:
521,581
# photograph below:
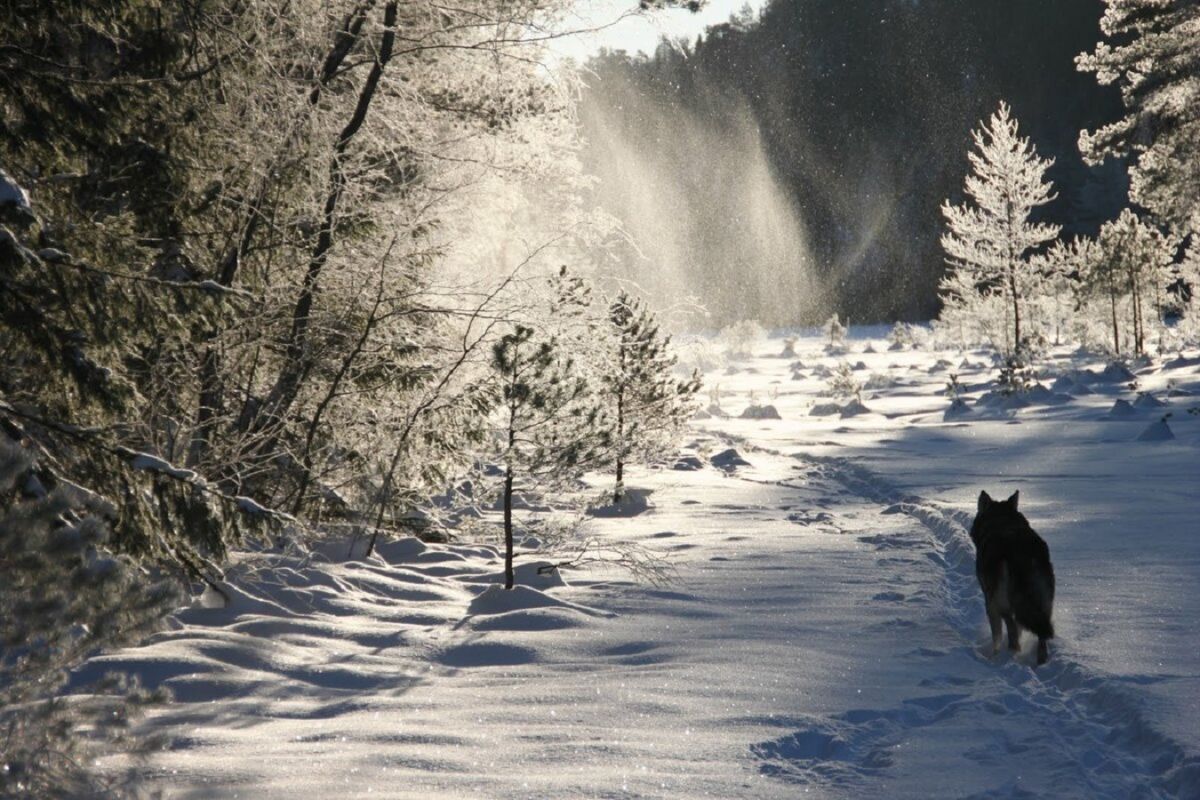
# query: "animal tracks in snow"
1074,732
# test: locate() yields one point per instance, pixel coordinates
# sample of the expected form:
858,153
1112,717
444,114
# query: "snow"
11,193
151,463
824,635
632,503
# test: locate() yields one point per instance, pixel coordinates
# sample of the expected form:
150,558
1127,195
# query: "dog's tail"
1031,590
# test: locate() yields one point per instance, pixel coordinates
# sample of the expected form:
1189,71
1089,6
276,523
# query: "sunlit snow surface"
824,636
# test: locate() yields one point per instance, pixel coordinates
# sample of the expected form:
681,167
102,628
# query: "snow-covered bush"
900,337
843,383
740,338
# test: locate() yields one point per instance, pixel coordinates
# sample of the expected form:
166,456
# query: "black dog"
1013,566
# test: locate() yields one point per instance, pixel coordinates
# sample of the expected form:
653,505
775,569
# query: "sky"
622,28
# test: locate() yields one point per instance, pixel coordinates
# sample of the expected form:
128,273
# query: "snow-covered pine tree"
836,332
991,242
648,405
1059,287
969,309
64,594
1154,57
1133,261
549,426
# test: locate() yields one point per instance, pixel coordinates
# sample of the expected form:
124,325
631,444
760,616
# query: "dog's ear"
985,500
1012,501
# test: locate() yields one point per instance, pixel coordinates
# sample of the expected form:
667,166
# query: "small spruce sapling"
843,382
549,423
649,407
836,332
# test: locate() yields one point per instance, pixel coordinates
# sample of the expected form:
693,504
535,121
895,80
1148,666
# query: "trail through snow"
824,638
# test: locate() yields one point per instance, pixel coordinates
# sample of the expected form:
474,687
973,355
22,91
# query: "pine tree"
648,405
64,593
1060,271
991,242
1132,262
549,426
1154,57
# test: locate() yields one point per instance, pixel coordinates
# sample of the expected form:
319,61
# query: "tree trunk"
1112,297
1138,332
296,367
619,490
211,366
1012,287
508,527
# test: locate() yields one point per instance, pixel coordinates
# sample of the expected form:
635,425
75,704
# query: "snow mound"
1182,362
1122,409
1065,384
760,412
498,600
729,460
632,503
957,410
1147,400
1042,396
854,408
715,410
825,410
487,654
398,551
1002,401
551,618
1115,373
528,574
1156,432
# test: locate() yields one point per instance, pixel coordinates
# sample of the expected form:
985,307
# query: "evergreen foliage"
549,427
1132,263
989,244
648,405
1153,56
65,593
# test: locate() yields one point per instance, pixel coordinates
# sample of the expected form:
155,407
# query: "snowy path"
825,638
1079,733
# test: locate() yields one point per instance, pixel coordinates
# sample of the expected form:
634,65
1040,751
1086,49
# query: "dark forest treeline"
865,111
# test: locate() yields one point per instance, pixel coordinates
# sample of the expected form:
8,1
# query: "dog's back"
1013,566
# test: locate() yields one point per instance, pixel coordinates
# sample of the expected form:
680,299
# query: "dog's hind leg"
993,615
1014,632
1043,651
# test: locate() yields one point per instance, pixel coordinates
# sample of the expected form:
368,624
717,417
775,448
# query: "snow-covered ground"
824,635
